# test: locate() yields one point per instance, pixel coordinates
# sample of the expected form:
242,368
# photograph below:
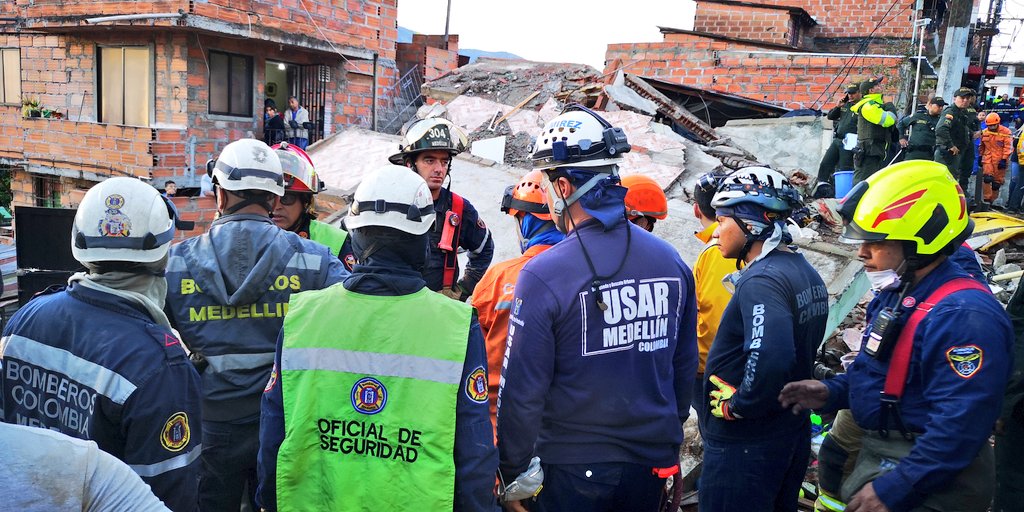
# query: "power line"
848,66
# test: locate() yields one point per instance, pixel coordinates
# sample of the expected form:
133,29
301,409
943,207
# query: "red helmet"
299,173
527,196
644,197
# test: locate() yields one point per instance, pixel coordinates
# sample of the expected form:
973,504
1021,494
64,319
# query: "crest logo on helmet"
114,222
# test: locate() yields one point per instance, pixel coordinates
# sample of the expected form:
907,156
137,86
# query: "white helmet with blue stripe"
122,219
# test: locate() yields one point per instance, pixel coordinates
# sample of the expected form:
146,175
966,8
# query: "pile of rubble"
512,81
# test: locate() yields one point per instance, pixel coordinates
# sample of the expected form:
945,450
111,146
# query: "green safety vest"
326,234
369,385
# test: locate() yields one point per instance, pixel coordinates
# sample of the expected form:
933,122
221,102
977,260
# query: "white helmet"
431,134
392,197
761,186
122,219
578,137
248,164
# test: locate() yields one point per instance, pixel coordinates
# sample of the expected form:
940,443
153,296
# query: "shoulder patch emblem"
272,381
350,261
369,396
480,223
949,116
175,434
476,385
965,360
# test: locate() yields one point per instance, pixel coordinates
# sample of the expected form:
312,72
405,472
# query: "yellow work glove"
720,398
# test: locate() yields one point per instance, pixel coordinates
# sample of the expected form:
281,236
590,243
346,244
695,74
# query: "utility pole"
954,50
447,18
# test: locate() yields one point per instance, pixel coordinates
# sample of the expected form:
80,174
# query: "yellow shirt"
712,297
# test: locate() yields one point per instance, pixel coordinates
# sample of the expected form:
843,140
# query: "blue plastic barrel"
844,182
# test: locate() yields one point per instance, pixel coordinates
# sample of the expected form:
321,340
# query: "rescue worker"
874,120
46,470
928,383
494,293
376,419
917,132
1009,449
601,349
295,211
428,147
97,360
995,150
708,272
952,135
227,295
645,201
756,452
844,124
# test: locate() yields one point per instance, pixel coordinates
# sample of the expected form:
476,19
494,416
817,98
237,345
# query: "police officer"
844,123
602,349
98,360
379,418
428,147
767,336
953,136
917,132
494,293
928,383
874,119
295,211
227,295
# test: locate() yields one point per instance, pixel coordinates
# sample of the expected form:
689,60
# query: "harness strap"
450,239
899,365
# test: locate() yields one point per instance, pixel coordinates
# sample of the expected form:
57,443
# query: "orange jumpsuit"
492,299
996,147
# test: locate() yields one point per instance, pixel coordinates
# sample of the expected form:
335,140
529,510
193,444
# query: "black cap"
852,88
867,85
938,101
964,92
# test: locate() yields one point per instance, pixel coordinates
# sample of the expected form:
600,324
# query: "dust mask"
883,280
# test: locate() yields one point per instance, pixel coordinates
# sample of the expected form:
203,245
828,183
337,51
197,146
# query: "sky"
577,31
551,30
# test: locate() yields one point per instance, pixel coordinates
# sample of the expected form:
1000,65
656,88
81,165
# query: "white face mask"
883,280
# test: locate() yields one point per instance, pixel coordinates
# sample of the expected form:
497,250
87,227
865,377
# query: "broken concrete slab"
625,98
511,81
786,144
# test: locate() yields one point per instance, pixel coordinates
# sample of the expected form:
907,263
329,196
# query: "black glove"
1002,165
294,125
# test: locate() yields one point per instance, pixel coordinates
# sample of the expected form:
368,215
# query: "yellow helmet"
916,201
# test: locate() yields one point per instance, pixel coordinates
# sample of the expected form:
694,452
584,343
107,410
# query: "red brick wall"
201,210
854,18
759,24
792,81
358,23
430,54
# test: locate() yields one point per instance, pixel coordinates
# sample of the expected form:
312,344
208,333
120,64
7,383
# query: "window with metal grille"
47,191
125,85
231,84
10,75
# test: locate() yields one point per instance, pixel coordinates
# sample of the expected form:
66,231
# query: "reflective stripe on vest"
328,235
369,387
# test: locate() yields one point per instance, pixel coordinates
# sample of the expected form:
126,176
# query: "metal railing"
404,98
